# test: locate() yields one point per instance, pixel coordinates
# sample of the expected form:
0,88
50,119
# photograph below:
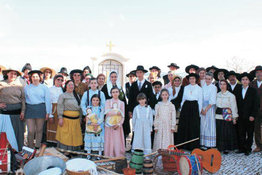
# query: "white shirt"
193,93
55,92
244,91
233,86
142,82
259,83
170,90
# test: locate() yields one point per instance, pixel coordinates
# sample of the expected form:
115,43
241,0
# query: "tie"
139,85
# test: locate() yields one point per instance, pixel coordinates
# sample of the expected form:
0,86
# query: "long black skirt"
226,135
189,125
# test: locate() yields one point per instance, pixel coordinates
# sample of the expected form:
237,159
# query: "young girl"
142,122
165,122
94,135
114,135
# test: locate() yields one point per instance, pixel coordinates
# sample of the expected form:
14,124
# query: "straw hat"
5,72
2,68
43,69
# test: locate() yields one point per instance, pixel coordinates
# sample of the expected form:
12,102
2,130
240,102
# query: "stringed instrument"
211,159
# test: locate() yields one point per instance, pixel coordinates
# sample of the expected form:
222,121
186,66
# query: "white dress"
208,121
142,122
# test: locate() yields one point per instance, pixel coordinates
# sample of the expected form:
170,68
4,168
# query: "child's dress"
165,121
142,122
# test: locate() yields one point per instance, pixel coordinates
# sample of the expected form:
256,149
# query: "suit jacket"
236,89
166,80
177,101
127,86
259,92
249,105
146,89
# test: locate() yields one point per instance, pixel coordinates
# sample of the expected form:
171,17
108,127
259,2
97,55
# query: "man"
189,69
157,86
257,85
172,67
247,104
131,79
220,74
233,85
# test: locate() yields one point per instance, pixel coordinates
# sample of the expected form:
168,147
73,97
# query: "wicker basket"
77,173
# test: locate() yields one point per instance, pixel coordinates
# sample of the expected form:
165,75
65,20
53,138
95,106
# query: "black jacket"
177,101
237,88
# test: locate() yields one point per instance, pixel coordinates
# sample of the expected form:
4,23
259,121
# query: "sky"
68,33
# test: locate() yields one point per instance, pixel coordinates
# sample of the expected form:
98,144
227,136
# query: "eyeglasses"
60,79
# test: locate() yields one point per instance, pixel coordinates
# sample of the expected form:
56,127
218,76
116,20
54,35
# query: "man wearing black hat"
191,69
172,67
247,103
234,86
257,84
132,78
220,74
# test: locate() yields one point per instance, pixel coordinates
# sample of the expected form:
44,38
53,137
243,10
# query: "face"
59,82
151,78
157,88
170,77
26,72
115,93
77,77
35,78
208,79
192,80
101,80
192,70
140,74
245,81
223,86
85,72
172,68
95,101
48,73
202,74
164,96
221,76
12,75
87,78
70,87
232,79
177,82
113,78
93,84
154,72
142,102
132,78
259,75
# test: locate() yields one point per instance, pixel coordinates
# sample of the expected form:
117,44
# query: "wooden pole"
111,172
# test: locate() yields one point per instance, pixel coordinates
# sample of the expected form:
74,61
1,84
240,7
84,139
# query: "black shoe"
240,151
226,152
247,153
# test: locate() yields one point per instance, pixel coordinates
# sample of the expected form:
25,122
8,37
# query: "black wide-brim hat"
63,70
191,66
220,70
154,67
245,74
35,71
141,68
253,72
232,73
211,67
133,72
173,65
76,71
193,75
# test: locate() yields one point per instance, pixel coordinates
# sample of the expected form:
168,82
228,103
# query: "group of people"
222,108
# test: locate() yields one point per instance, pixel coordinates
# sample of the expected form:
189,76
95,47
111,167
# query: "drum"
190,165
80,166
51,127
137,160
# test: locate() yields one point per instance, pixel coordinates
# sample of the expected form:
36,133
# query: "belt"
72,118
13,112
219,110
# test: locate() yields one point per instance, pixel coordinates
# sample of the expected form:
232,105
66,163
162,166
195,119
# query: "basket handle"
172,146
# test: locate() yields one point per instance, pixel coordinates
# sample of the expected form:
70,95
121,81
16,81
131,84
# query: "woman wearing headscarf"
38,107
12,107
80,87
48,76
112,81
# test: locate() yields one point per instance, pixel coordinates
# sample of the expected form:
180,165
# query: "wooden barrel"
137,160
148,167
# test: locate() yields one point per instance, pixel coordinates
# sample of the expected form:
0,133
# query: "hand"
115,127
156,130
130,114
118,113
22,116
203,112
234,121
172,130
2,105
51,120
251,118
60,122
46,117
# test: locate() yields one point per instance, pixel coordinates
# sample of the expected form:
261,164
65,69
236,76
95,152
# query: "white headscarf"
109,83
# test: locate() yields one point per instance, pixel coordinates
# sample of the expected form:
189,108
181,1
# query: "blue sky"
203,32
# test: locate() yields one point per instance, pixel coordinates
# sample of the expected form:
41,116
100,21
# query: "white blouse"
226,100
193,93
55,92
209,93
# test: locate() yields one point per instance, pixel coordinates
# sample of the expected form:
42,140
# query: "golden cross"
110,45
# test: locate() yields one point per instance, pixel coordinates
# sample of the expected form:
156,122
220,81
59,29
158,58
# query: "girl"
114,135
142,122
165,122
94,135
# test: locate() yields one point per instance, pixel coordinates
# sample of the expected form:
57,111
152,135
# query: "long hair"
74,92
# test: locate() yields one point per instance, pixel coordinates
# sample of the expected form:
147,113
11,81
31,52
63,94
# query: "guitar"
211,159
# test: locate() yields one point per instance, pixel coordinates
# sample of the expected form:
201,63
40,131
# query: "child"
94,135
114,135
165,122
142,125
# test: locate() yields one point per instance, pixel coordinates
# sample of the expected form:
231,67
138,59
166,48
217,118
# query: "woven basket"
77,173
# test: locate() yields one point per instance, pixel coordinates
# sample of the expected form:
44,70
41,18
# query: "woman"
48,74
189,121
55,92
68,134
112,81
114,136
87,78
208,122
12,104
176,95
226,116
86,70
171,76
156,73
80,87
189,69
202,75
101,81
38,107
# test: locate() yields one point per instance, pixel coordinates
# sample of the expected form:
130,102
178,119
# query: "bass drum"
190,165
